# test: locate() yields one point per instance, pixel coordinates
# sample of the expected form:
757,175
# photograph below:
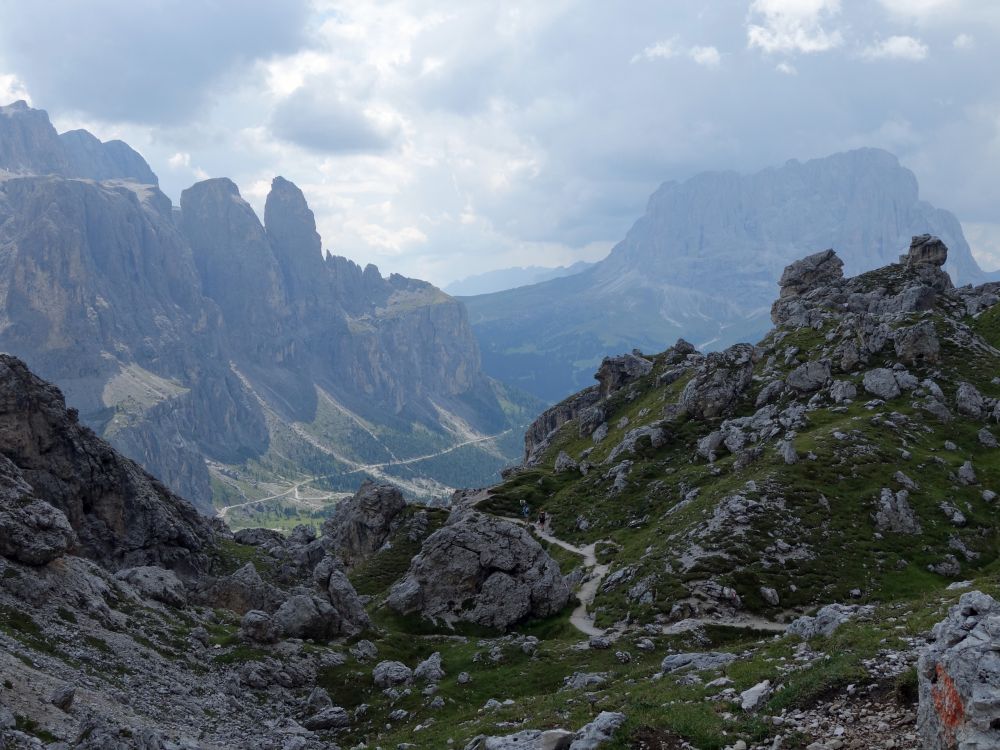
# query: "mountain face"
702,263
225,354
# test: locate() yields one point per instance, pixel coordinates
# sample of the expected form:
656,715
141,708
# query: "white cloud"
666,49
663,50
11,90
790,26
787,68
180,160
964,42
896,48
707,56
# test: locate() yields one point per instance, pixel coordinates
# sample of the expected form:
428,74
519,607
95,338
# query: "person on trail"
541,520
525,511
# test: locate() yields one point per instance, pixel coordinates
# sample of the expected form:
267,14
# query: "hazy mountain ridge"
206,333
703,262
511,278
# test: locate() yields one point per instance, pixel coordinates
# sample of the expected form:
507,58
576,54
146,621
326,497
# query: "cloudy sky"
439,139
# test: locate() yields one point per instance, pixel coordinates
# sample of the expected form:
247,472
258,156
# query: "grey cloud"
140,61
321,122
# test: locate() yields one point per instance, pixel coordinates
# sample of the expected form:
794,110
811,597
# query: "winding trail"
581,618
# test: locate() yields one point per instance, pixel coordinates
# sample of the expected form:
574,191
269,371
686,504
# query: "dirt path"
581,618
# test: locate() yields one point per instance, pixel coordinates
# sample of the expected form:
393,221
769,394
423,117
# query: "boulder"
364,523
809,376
430,669
826,620
926,249
752,698
842,391
155,583
258,627
917,344
601,730
333,717
893,513
565,463
391,673
818,269
881,382
696,661
329,577
617,372
958,676
482,570
969,401
241,591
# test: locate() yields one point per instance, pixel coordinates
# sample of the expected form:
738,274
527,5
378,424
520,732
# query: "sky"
441,139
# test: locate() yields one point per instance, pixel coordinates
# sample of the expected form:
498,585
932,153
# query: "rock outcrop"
480,570
361,525
959,678
120,515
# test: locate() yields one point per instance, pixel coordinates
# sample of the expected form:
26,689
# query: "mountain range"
511,278
703,262
228,355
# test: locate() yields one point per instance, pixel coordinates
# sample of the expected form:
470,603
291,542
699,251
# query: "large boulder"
481,570
959,678
925,249
364,523
810,272
719,382
809,376
617,372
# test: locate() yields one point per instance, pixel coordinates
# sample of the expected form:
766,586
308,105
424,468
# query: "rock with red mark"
959,674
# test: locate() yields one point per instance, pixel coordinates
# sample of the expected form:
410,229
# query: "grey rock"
826,620
564,463
967,473
752,698
318,699
652,436
812,271
362,524
430,669
719,382
787,451
584,680
893,513
598,732
927,249
333,717
155,583
882,383
617,372
987,439
770,595
696,661
809,377
949,567
969,401
258,627
843,390
31,531
391,673
958,677
311,616
917,344
62,697
364,651
464,678
482,570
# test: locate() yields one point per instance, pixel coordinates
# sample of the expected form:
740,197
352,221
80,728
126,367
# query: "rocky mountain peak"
291,228
30,145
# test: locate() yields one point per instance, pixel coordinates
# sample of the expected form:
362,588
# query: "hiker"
541,520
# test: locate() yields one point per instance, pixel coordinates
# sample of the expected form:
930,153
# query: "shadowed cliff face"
193,335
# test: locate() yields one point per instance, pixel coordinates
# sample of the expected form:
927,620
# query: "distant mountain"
225,354
703,263
511,278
